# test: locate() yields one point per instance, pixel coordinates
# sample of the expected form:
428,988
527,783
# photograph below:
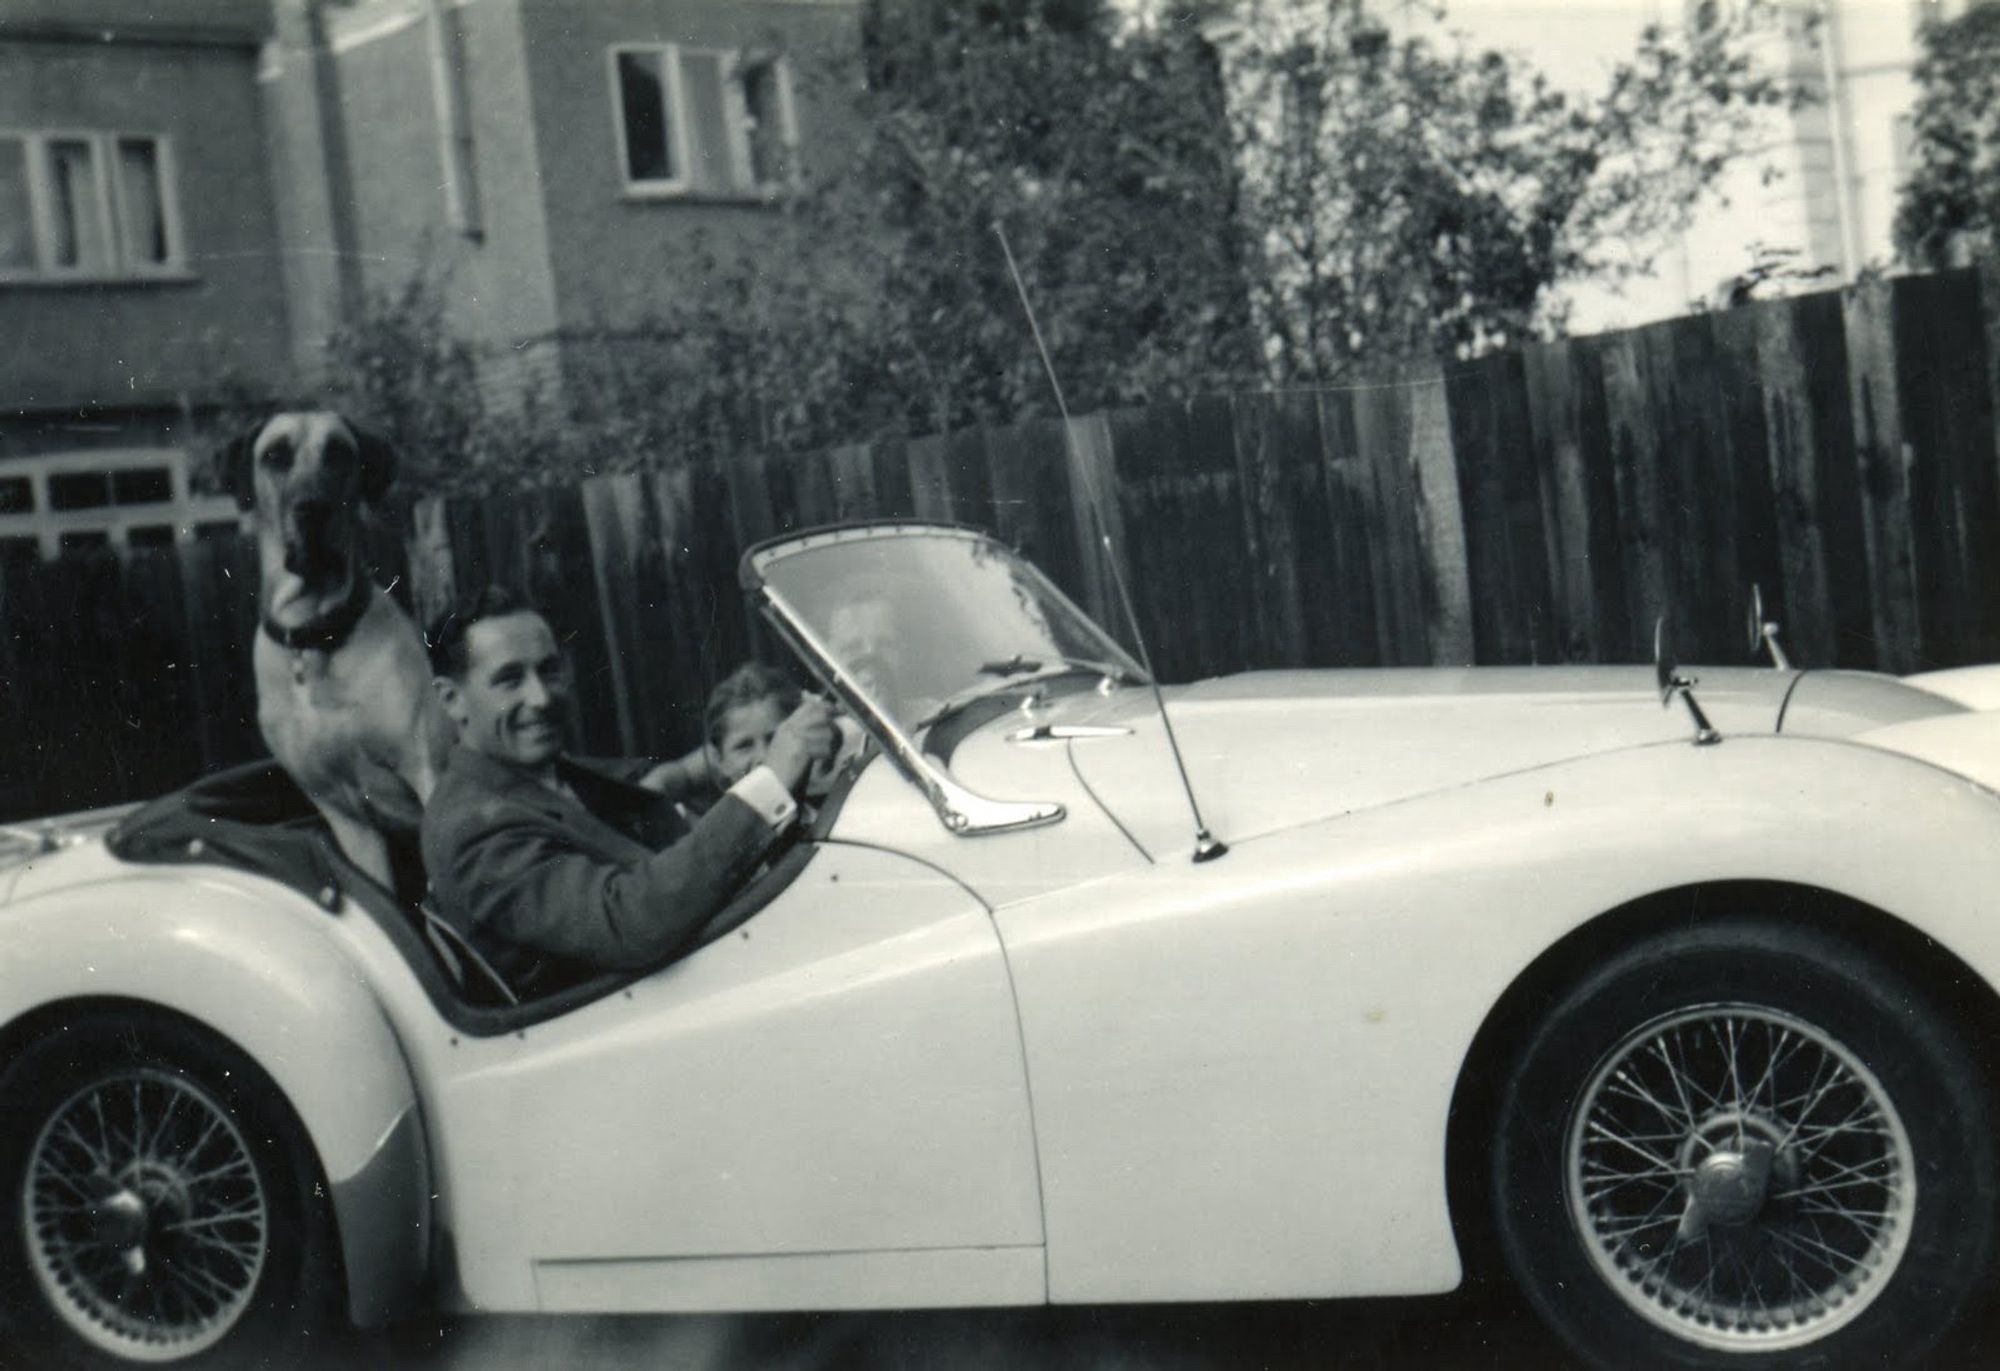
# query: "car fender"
1326,984
253,962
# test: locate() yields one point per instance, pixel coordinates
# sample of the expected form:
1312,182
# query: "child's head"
743,712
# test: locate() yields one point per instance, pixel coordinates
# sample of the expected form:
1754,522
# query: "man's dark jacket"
550,890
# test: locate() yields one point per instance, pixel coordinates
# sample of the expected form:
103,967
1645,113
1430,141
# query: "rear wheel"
1750,1145
158,1201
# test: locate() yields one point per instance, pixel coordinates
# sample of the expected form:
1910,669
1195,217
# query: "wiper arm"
1019,664
1024,671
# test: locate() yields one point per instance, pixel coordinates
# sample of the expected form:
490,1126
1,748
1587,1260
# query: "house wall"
498,282
617,259
136,343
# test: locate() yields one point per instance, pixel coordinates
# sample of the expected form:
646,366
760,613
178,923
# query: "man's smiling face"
513,702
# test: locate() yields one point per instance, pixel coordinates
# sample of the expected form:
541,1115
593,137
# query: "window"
702,121
141,486
87,206
117,498
79,490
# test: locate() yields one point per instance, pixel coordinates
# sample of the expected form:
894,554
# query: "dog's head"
307,474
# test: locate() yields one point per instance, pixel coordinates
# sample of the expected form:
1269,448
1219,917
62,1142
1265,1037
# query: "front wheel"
1746,1145
159,1203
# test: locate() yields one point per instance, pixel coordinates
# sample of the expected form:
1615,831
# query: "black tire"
206,1241
1866,1147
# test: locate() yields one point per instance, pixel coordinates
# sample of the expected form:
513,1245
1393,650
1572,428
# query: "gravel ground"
1445,1334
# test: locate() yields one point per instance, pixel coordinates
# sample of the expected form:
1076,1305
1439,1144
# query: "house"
195,195
557,166
139,262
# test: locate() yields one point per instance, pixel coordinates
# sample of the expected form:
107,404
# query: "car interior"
255,818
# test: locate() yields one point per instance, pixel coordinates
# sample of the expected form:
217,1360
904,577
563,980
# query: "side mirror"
1667,674
1764,632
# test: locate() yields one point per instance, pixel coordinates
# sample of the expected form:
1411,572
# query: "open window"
705,122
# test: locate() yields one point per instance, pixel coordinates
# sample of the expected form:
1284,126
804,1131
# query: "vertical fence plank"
1178,490
1035,502
1948,419
815,498
1277,442
1810,435
1565,388
930,488
1883,456
895,497
1760,562
1500,498
968,478
1091,448
1340,591
1446,587
852,469
551,530
1384,427
433,573
219,585
615,518
1699,494
1822,338
1634,458
697,609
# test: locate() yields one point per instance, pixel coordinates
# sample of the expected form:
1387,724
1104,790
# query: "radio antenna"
1207,847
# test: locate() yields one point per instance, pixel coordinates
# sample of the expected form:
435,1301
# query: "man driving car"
555,869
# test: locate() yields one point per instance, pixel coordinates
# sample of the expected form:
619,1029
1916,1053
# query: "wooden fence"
1540,505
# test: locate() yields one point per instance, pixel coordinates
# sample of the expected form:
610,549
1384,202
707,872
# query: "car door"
825,1108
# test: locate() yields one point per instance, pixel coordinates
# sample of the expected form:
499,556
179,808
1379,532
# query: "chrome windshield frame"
962,811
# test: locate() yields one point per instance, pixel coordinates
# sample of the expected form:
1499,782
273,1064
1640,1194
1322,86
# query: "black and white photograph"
1112,685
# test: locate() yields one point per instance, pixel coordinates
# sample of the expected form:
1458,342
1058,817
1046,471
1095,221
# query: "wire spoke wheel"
1739,1178
146,1220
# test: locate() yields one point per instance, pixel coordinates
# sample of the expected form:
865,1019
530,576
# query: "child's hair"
747,685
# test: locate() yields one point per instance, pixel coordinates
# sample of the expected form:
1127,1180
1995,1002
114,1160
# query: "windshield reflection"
921,619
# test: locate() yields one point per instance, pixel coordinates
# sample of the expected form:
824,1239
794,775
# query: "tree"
1951,204
1228,194
1103,155
1413,199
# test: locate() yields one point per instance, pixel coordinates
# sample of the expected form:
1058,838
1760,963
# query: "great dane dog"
344,696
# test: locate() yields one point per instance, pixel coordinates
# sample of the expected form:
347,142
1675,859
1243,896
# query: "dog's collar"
328,631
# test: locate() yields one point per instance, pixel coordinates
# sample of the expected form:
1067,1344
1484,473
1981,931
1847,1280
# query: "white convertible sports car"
1328,983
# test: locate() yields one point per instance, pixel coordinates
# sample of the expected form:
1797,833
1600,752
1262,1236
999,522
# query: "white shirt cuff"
765,793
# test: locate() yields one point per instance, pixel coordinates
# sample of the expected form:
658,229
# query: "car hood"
40,845
1269,750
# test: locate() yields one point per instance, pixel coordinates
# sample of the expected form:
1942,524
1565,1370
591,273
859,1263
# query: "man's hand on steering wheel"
806,737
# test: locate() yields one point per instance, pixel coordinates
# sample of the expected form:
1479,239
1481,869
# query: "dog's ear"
378,463
233,468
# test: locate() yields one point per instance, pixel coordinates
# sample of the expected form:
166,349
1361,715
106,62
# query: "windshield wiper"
1019,665
1020,671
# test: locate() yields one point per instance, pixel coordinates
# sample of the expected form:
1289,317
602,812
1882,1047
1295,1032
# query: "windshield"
919,616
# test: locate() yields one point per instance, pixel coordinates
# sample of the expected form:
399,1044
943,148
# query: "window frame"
185,509
674,102
737,97
743,186
109,203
